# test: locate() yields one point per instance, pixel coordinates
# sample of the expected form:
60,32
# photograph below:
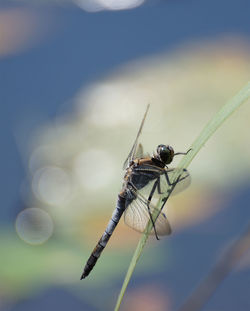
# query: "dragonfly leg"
159,188
149,200
171,189
178,179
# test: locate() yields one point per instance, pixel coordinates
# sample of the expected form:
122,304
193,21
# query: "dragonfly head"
165,153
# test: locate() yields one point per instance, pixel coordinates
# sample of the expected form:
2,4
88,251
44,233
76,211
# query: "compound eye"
161,148
171,150
166,153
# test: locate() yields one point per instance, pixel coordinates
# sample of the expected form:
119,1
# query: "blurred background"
76,76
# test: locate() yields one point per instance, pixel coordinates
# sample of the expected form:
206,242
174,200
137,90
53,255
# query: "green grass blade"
225,112
203,137
131,268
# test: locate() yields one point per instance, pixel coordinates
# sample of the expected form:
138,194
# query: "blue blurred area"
48,300
37,82
193,255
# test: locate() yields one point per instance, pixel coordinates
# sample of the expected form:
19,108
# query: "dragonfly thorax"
165,154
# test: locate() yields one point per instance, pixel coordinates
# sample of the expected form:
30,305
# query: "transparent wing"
182,184
133,151
139,152
137,216
165,177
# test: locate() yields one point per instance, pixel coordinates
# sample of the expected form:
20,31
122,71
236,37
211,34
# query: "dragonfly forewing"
134,150
165,178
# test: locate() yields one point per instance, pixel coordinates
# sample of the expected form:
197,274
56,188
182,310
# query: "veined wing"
137,216
133,151
183,177
165,177
139,152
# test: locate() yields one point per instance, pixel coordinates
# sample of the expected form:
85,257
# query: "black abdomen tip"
82,276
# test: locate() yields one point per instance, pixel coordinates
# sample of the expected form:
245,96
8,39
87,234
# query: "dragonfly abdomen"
120,207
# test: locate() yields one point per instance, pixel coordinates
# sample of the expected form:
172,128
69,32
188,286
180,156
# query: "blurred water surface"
74,87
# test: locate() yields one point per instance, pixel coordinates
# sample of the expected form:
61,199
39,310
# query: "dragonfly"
147,178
